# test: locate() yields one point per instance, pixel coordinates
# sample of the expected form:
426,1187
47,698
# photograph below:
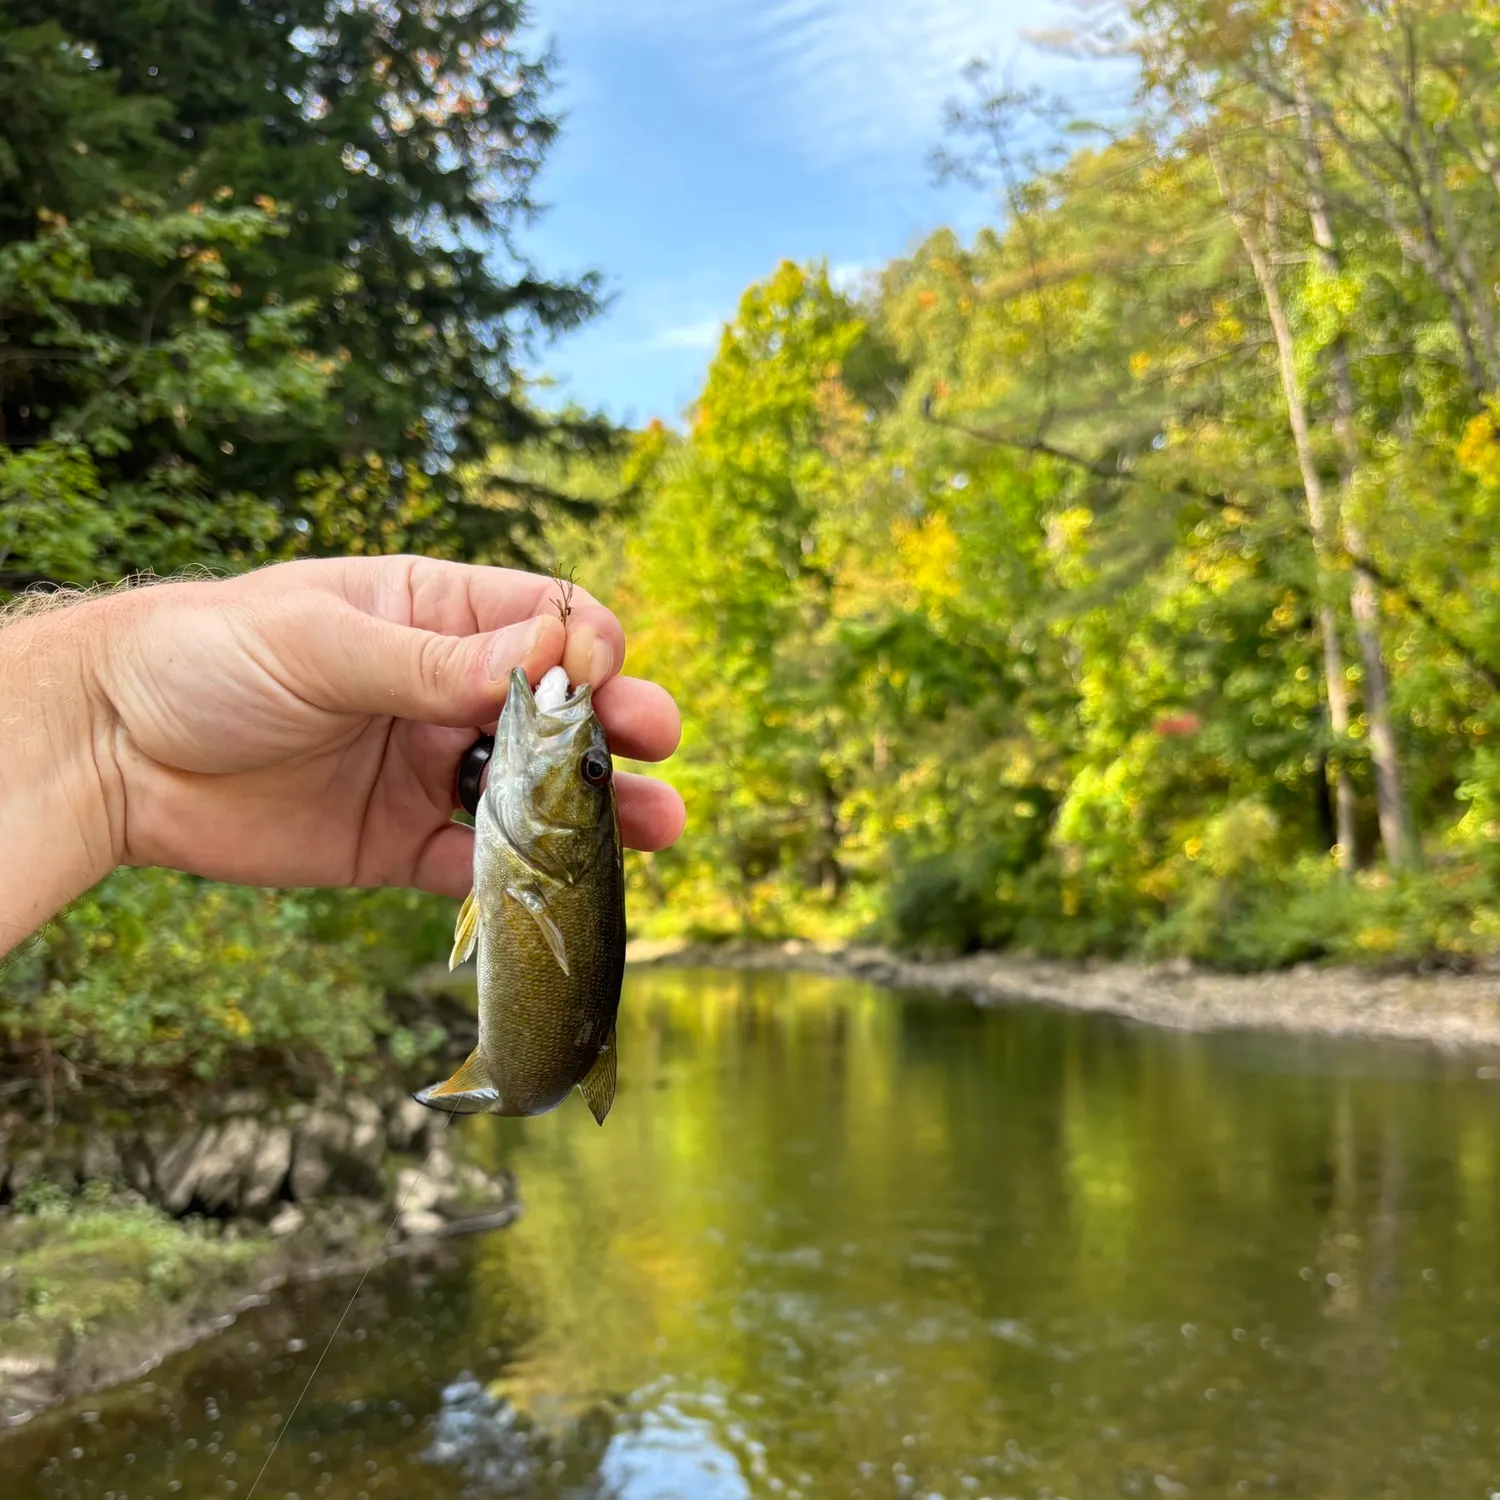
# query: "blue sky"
706,140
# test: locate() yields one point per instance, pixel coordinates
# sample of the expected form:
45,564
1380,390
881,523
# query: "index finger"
453,598
492,597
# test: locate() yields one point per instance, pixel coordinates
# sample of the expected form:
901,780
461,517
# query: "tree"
1157,561
351,181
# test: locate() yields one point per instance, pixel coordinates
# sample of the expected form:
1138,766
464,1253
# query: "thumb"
384,668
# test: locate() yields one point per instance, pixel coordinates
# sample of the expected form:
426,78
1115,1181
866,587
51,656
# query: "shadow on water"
832,1243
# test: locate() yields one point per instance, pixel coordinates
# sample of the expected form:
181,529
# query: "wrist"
57,831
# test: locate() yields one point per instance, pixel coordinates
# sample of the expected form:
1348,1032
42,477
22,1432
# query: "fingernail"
601,661
513,645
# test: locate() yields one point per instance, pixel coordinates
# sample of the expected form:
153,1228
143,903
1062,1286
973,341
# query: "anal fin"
465,932
468,1092
598,1086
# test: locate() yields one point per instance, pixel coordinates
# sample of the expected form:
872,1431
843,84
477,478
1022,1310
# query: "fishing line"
353,1298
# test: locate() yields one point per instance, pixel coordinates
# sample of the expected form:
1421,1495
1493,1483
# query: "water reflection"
830,1244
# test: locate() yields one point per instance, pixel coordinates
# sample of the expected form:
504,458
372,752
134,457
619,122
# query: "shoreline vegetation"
141,1211
198,1283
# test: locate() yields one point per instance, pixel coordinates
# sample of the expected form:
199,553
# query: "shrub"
157,970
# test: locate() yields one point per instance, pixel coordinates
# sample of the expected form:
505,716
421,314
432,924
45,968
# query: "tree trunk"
831,876
1334,685
1390,793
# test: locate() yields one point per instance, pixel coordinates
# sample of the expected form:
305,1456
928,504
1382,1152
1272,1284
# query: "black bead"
471,773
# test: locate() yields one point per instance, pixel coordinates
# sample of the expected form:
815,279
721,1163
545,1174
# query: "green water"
835,1242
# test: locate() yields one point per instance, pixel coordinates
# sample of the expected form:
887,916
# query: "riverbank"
103,1292
1451,1011
127,1235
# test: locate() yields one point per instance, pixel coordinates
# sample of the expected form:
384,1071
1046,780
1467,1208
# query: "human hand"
301,725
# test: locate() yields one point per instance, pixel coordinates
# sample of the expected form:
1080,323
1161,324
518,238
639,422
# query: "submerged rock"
441,1192
419,1223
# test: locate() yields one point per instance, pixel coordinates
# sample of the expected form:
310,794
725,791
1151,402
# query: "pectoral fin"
468,1092
465,932
536,903
598,1086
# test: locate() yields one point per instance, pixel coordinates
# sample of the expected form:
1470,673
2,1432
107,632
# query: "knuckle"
440,662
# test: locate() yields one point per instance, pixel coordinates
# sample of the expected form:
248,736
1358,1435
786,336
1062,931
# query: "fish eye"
595,767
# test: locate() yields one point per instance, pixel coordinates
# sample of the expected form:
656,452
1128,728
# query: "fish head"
551,782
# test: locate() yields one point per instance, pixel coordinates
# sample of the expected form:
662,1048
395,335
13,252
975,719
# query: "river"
836,1242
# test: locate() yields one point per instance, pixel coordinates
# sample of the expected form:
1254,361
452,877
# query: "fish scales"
546,915
543,1029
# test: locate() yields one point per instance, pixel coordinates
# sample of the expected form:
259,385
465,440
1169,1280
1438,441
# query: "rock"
366,1130
287,1221
177,1168
420,1223
470,1191
320,1138
28,1165
138,1160
268,1169
338,1150
223,1163
407,1124
417,1191
340,1226
242,1102
101,1157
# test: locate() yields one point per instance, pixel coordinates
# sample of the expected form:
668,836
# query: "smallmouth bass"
547,912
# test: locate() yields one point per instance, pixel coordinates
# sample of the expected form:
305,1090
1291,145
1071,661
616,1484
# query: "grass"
92,1271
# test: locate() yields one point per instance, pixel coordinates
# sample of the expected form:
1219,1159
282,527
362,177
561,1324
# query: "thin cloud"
702,335
841,79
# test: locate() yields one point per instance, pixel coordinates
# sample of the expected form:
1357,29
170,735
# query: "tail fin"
468,1092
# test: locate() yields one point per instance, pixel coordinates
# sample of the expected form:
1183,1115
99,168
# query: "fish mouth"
553,691
554,706
552,709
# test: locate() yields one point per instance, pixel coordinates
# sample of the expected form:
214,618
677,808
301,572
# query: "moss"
93,1271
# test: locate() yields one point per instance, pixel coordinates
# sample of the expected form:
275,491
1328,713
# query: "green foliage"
81,497
993,602
1269,917
159,971
84,1264
991,599
252,256
261,296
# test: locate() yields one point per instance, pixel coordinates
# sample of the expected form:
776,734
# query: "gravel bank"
1451,1011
